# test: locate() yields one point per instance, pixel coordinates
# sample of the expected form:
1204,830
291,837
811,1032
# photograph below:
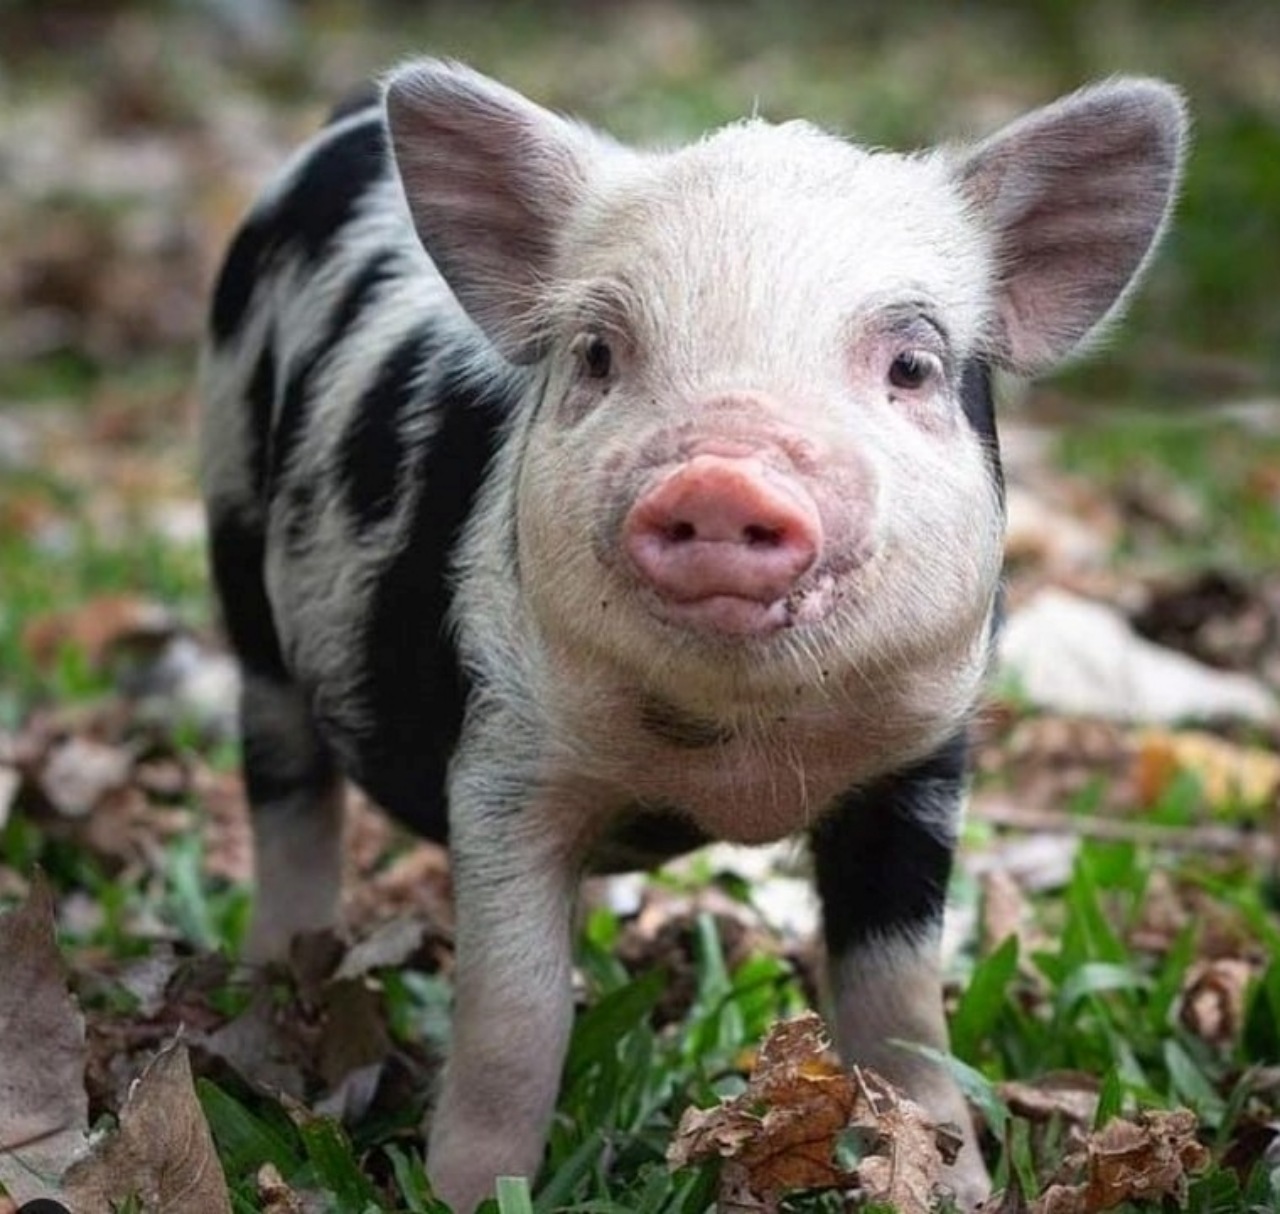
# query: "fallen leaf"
1146,1159
1213,999
44,1111
1006,912
663,934
275,1196
1229,774
79,772
907,1165
782,1133
355,1035
1218,617
99,628
314,1035
1070,1095
162,1151
261,1047
1047,761
1163,915
389,945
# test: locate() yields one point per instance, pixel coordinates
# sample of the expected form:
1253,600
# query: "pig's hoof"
968,1181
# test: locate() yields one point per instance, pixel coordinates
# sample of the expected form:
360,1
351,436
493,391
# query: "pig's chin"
743,618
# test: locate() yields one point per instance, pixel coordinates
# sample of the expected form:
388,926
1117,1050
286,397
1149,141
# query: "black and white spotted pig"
583,503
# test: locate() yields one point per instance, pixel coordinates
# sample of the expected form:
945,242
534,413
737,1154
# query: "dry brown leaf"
354,1044
1221,618
261,1047
329,1043
1142,1160
274,1195
781,1134
1228,773
98,627
162,1151
1005,911
1163,916
904,1172
1071,1095
79,772
1047,760
389,945
44,1112
1213,999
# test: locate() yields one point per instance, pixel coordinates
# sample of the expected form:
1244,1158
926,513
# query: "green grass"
1088,1001
1226,470
1092,1003
68,568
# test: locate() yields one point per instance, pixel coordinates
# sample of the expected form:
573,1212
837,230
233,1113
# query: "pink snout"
723,539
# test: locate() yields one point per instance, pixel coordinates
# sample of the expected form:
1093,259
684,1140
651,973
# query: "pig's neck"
745,773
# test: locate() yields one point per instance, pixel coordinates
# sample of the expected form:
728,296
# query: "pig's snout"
723,539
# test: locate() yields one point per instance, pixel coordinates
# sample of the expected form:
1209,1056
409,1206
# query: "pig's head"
757,453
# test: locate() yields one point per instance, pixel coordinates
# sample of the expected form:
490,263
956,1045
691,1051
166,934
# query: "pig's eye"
913,369
594,354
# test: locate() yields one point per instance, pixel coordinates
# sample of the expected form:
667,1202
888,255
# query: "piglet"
584,503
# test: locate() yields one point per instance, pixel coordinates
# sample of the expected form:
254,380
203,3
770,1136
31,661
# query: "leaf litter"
160,1151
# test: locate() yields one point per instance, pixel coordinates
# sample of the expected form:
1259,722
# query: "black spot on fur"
320,199
359,292
681,729
978,402
881,871
645,836
237,280
358,295
291,419
374,447
284,757
261,395
236,556
413,686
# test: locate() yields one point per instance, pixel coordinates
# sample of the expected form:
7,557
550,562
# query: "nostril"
719,527
757,535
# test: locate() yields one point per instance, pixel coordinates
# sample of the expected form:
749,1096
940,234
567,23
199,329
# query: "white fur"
888,992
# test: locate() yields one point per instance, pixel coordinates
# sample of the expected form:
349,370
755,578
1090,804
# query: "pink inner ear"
490,179
1077,195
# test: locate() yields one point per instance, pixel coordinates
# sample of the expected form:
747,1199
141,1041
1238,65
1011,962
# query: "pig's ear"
491,179
1076,196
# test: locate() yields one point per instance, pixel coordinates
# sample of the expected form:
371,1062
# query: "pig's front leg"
882,860
515,869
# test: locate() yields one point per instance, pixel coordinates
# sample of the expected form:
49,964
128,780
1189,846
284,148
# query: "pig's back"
349,412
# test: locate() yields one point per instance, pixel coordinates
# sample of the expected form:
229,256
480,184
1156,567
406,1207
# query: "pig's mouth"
740,616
